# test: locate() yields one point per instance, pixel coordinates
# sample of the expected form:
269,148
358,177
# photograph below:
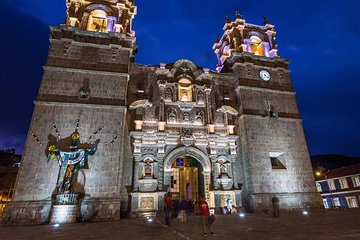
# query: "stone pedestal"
64,214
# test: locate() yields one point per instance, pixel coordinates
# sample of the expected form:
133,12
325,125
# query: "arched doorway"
186,178
187,173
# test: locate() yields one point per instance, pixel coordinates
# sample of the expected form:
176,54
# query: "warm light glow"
257,46
97,21
185,92
138,125
318,173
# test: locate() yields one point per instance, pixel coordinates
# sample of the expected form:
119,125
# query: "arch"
97,21
102,7
257,46
187,151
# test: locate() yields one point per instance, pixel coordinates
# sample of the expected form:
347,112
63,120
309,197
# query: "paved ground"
343,225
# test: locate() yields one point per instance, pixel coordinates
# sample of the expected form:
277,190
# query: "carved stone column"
137,170
207,181
214,172
162,103
160,172
208,106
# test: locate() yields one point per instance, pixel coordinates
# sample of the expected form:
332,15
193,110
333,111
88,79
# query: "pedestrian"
167,207
175,207
275,206
183,207
204,215
229,205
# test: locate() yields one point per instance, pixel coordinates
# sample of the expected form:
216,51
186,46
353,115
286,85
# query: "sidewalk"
315,226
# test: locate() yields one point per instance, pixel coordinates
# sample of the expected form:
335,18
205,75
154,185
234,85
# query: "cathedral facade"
110,136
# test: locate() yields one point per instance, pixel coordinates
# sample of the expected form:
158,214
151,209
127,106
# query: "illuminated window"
318,187
336,202
257,46
343,183
352,202
356,181
185,91
97,21
326,204
331,185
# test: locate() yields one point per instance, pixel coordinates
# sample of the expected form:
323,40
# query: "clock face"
265,75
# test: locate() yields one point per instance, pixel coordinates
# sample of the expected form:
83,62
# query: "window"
352,202
276,163
326,204
356,181
336,202
331,185
318,187
97,21
343,183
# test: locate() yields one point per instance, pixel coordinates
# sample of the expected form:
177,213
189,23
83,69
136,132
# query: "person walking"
204,215
183,208
229,204
167,207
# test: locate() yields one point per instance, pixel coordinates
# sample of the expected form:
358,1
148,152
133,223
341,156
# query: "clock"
265,75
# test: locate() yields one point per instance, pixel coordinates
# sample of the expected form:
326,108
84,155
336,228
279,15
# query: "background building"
9,167
124,134
340,188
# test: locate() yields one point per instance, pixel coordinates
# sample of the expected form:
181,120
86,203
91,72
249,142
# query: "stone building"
235,132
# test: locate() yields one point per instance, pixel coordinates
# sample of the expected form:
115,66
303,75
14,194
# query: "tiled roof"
344,171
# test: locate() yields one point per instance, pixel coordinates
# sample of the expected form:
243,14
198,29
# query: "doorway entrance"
187,179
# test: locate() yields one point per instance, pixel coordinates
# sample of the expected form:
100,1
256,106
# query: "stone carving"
168,94
186,117
201,96
84,91
172,116
114,52
147,203
199,118
66,46
186,132
222,168
148,150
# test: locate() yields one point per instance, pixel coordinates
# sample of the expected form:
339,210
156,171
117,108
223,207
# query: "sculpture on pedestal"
70,164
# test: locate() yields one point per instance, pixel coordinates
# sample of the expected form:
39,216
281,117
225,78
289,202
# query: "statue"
199,118
70,164
184,96
172,116
200,96
168,94
186,117
223,169
148,171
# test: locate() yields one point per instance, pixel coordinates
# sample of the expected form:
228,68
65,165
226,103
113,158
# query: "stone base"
100,209
146,204
288,202
65,214
26,213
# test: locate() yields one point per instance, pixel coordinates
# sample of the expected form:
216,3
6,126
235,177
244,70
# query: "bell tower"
101,16
84,87
273,152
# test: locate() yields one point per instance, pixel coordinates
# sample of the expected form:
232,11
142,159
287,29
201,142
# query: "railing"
67,199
